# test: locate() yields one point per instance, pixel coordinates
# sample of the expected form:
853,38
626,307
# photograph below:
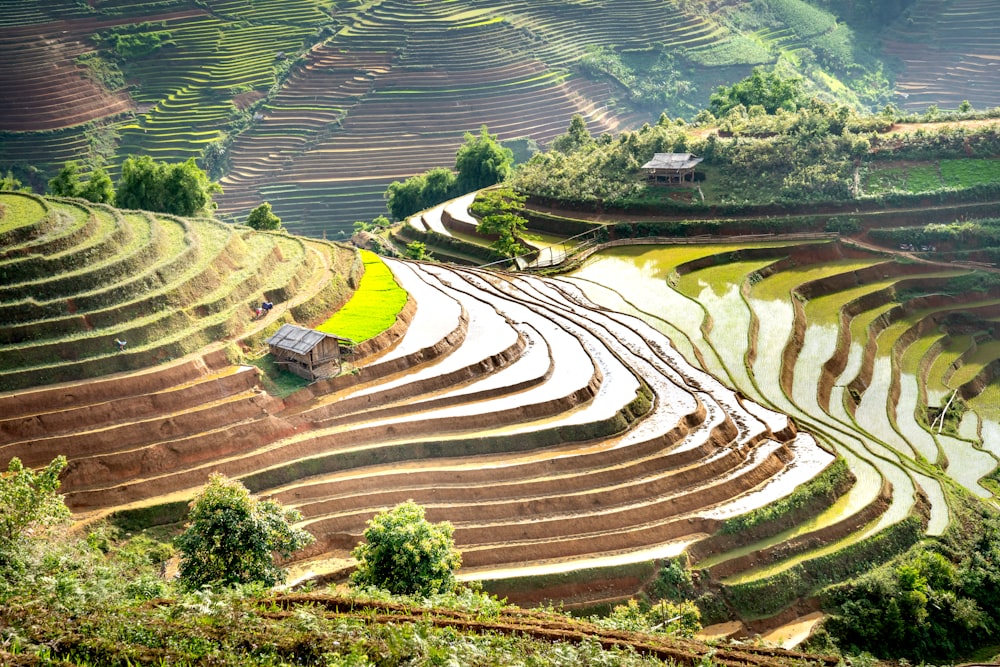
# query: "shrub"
232,537
262,218
405,554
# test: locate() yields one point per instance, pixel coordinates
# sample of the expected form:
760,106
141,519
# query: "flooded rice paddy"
736,325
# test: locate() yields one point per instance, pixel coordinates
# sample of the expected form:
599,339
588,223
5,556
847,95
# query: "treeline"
481,161
180,188
939,601
773,147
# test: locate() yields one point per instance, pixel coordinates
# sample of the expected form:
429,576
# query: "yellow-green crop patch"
19,211
374,306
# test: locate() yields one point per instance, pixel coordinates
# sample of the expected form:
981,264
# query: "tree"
766,89
416,250
232,537
67,182
404,198
482,161
180,189
12,183
497,213
99,188
405,554
29,504
263,218
141,183
577,136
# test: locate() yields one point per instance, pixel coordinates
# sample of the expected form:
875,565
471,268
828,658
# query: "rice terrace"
680,317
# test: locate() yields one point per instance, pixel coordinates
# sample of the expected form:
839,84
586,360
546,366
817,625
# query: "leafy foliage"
180,189
676,619
10,183
404,553
768,90
232,537
937,601
29,505
67,182
481,161
497,213
262,218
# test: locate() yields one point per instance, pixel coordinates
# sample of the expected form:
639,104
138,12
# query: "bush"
262,218
232,537
405,554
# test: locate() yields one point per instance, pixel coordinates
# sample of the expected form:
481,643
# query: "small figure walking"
121,344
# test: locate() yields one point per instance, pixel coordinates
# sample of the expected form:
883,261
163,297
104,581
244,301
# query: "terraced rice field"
552,433
817,332
950,53
585,424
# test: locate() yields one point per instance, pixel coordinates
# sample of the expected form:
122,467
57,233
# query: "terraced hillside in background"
949,52
77,277
317,105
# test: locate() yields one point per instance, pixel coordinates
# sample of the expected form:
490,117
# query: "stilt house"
671,168
306,352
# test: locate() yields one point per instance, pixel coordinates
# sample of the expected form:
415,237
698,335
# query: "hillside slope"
317,105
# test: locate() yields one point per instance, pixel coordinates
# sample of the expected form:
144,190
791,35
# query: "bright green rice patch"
966,173
984,354
910,363
780,285
987,403
17,211
374,306
954,346
719,278
826,309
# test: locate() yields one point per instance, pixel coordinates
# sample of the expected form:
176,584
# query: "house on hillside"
306,352
671,168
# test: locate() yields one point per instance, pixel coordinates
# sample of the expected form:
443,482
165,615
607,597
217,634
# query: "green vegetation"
405,554
180,189
480,161
497,213
811,152
233,536
30,506
768,90
936,602
98,187
262,218
373,307
823,485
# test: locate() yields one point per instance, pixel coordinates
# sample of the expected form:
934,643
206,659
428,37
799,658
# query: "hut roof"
673,161
297,339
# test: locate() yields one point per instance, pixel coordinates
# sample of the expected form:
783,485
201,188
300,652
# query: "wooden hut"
306,352
671,168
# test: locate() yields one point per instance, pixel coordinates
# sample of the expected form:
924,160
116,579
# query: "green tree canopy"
181,189
99,188
29,503
577,136
765,89
405,554
404,198
232,536
482,161
497,212
67,182
263,218
11,183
